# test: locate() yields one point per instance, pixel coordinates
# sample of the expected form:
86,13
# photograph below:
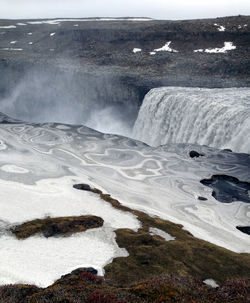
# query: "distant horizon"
156,9
125,17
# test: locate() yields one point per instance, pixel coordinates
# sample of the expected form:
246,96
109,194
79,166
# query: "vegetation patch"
151,255
82,286
56,226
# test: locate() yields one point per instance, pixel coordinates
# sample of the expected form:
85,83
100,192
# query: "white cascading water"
214,117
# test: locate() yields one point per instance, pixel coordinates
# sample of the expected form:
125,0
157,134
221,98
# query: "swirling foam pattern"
39,163
215,117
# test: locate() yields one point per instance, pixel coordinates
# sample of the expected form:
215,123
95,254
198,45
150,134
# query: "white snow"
21,24
11,49
56,198
228,46
166,48
14,169
29,34
161,233
13,42
200,50
152,53
161,182
30,43
8,26
38,260
52,34
211,283
76,24
58,21
136,50
220,28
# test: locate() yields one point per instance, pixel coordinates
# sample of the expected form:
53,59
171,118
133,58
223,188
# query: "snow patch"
21,24
228,46
211,283
161,233
220,28
29,34
58,21
52,34
8,26
136,50
30,43
13,42
166,48
152,53
11,49
41,261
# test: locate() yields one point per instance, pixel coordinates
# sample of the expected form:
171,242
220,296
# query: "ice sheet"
41,163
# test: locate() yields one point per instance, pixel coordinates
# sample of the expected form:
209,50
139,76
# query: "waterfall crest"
214,117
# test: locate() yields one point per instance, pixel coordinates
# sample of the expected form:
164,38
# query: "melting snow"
8,26
136,50
30,43
161,233
166,48
152,53
11,49
220,28
58,21
227,47
211,283
29,34
14,169
41,261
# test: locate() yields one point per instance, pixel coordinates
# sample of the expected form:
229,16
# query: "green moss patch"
56,226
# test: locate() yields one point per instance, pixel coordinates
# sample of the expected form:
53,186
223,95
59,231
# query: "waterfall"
214,117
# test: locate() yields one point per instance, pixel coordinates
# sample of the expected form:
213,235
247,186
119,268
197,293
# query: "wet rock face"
195,154
228,189
244,229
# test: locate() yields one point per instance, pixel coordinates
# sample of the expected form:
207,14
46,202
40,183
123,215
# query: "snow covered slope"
40,163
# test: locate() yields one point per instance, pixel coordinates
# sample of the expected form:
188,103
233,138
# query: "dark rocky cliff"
98,57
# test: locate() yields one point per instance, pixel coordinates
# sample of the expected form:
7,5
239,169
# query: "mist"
159,9
71,98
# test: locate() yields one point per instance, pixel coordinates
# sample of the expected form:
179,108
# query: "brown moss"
56,226
151,255
80,286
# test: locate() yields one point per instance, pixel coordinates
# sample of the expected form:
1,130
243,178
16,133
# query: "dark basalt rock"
244,229
56,226
228,189
202,198
195,154
82,187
